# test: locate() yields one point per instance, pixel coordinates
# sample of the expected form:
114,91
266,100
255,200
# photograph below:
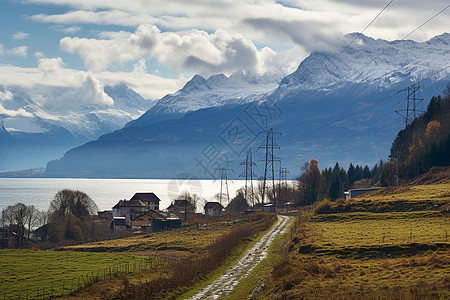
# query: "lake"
106,192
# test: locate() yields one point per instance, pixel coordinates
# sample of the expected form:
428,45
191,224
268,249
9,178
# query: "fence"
78,283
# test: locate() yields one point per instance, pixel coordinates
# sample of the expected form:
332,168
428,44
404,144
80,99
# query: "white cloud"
17,51
194,50
6,95
147,85
99,54
20,35
140,67
323,17
14,113
67,29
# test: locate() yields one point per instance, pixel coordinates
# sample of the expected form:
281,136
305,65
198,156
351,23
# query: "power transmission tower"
248,174
411,104
223,180
409,114
282,188
269,159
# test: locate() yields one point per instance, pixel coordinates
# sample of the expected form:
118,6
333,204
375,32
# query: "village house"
106,214
183,209
144,220
128,209
155,220
213,209
150,200
138,204
119,224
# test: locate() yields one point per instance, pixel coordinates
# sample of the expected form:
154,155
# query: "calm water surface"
105,192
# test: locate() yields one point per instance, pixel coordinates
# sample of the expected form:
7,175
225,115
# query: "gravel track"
225,284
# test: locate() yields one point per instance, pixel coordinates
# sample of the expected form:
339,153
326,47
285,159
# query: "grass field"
30,272
82,269
364,253
354,229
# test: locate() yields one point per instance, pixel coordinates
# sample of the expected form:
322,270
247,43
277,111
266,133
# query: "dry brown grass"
369,255
185,272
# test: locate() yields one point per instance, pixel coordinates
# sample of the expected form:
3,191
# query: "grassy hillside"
431,196
392,244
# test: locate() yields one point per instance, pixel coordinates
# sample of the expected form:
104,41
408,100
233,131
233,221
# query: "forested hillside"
422,144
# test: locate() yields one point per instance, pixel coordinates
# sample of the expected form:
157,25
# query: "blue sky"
155,46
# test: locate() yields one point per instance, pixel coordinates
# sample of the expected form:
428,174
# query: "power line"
437,14
417,28
370,23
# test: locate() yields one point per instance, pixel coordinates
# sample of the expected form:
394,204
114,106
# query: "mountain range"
33,131
337,106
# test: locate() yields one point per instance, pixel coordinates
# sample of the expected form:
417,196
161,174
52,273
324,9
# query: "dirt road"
225,284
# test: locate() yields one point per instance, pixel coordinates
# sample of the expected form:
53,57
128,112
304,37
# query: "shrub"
324,207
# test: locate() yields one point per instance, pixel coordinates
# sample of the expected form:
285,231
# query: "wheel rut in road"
225,284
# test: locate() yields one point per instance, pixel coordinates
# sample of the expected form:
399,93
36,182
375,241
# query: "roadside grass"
28,272
234,257
256,280
180,276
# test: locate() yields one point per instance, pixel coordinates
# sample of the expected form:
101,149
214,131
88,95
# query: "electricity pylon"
269,159
248,175
223,178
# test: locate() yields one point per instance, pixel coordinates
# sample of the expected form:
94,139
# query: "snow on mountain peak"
217,90
371,61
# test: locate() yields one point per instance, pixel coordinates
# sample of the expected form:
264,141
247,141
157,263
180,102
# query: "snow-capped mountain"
40,130
317,109
218,90
378,63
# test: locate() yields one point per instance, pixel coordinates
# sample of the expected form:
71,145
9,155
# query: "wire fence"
75,284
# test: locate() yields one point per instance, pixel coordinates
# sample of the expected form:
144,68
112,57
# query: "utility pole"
269,158
223,179
248,174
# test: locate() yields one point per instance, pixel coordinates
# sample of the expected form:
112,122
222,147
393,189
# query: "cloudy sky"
156,45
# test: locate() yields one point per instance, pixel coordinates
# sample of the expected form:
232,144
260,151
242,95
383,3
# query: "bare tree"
259,192
31,219
193,199
75,202
22,217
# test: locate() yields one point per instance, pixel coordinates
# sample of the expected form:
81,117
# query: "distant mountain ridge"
41,131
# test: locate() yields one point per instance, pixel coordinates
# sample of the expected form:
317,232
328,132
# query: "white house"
128,209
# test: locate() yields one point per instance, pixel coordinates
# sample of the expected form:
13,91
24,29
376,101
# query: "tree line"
69,217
